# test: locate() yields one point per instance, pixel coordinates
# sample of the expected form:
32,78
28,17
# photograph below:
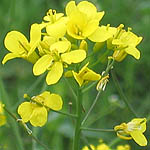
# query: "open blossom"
83,22
54,59
19,46
36,111
133,129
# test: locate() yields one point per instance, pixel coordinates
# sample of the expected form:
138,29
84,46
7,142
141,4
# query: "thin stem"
25,127
97,130
124,98
64,113
91,108
108,68
39,142
5,99
78,121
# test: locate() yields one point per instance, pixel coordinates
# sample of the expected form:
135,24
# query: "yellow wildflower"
2,116
19,46
53,61
83,22
85,75
123,147
123,43
36,111
133,129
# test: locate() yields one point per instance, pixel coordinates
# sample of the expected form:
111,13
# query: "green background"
17,78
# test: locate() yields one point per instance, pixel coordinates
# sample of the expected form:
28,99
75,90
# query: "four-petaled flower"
36,111
53,61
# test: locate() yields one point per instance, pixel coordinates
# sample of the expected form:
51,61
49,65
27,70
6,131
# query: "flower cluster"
61,40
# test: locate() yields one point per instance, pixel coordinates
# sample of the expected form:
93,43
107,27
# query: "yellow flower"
2,116
19,46
85,75
56,26
36,111
91,146
123,147
102,146
83,22
123,43
54,60
133,129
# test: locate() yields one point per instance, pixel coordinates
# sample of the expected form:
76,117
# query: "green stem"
91,108
64,113
97,130
78,121
108,68
124,98
4,97
25,127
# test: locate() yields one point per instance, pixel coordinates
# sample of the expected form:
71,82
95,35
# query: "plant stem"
91,108
5,99
64,113
78,121
97,130
26,128
106,72
124,98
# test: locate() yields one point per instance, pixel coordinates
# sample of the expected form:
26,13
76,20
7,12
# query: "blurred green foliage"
110,110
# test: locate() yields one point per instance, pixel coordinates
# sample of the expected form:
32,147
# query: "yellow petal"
76,24
133,51
75,56
90,28
35,37
39,116
91,75
78,78
70,7
139,138
54,102
87,8
55,73
142,122
61,46
16,42
25,111
9,56
42,64
100,35
57,29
